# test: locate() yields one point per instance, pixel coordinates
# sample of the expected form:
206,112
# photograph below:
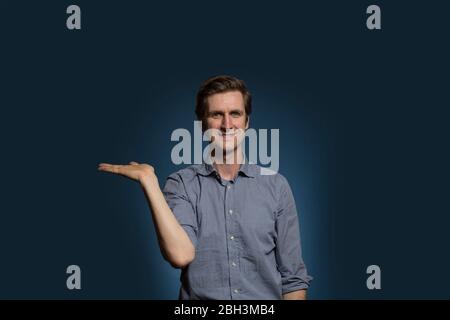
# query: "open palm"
134,170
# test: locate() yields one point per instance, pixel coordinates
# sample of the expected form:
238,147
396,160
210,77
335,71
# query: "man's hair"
221,84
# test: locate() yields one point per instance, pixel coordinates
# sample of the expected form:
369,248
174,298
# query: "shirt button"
232,237
228,187
230,211
236,290
233,264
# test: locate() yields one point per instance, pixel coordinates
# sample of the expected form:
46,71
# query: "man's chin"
228,147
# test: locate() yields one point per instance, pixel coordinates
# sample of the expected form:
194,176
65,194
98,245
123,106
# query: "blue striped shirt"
245,233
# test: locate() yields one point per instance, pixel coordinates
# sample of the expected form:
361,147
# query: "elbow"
182,261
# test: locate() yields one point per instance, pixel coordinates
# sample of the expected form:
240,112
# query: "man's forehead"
228,100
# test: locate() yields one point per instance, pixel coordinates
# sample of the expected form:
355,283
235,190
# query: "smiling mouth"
229,137
231,133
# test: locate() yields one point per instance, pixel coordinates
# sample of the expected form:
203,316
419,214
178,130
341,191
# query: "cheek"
240,123
212,124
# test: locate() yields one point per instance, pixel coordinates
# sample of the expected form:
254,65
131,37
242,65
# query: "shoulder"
187,176
182,181
187,172
277,186
268,176
269,181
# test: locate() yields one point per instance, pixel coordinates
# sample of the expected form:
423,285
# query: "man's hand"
134,170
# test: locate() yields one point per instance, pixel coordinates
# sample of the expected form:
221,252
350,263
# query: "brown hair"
221,84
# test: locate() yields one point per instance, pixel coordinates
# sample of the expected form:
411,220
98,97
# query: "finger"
107,165
134,163
104,166
111,168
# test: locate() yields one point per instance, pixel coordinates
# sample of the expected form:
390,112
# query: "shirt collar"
206,169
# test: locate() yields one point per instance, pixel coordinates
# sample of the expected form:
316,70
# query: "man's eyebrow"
221,112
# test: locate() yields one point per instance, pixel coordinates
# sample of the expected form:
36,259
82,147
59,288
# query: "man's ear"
247,122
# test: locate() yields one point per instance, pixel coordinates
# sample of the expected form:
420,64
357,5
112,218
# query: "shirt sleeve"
176,196
290,263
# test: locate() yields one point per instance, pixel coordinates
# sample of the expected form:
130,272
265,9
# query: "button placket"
232,238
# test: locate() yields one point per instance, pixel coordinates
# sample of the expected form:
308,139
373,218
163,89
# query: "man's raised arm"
174,242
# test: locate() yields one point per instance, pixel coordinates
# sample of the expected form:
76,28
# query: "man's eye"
215,115
235,114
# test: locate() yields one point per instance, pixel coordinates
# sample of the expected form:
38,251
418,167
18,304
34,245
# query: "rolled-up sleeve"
290,263
176,196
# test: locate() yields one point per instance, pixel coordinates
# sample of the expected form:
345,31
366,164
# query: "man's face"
226,116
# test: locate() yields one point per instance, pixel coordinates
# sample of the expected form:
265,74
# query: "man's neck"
229,169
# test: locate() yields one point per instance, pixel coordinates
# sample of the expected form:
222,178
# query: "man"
233,231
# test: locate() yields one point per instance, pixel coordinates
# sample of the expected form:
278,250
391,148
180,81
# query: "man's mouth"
228,134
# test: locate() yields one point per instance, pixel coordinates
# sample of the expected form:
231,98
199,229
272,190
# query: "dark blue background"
362,116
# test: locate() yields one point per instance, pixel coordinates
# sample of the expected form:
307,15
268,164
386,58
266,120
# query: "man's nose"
226,121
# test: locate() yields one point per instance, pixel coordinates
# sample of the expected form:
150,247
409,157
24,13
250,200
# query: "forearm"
295,295
173,240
